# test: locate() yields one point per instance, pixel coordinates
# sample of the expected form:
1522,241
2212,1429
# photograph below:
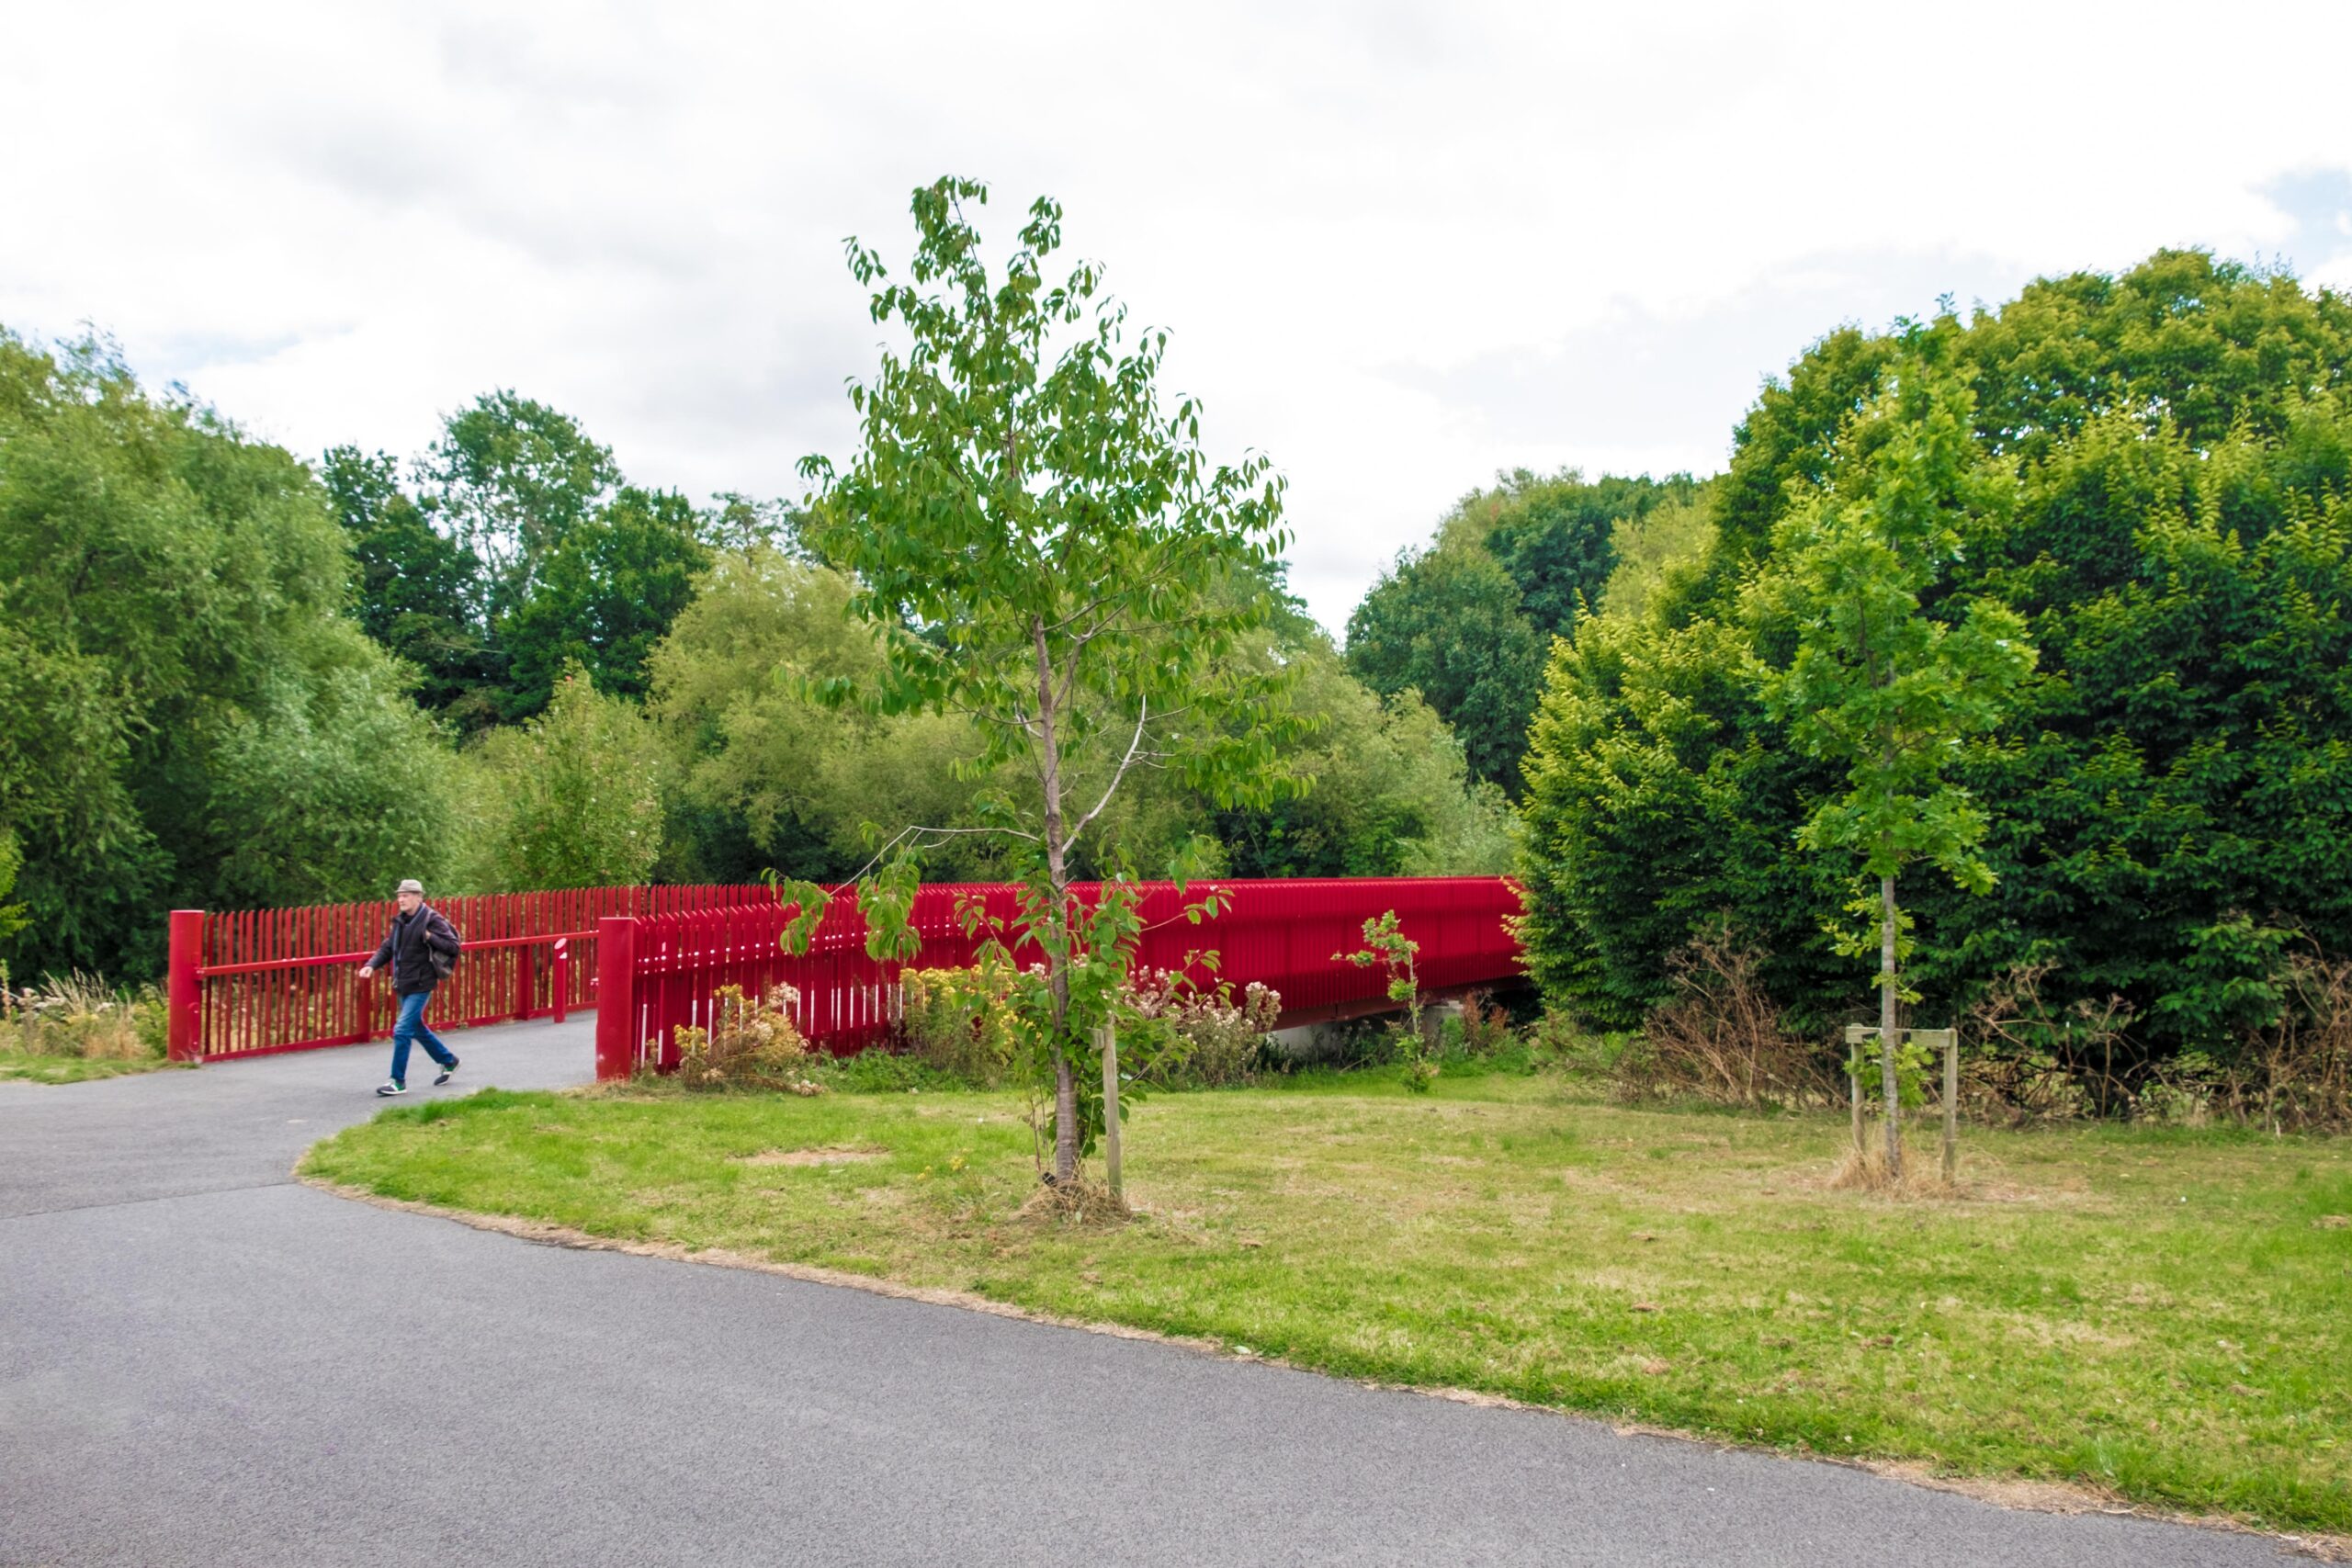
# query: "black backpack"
442,963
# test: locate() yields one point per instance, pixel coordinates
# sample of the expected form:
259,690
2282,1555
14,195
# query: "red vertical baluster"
263,980
233,987
183,992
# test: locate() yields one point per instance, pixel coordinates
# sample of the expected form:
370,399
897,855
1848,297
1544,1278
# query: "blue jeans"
411,1027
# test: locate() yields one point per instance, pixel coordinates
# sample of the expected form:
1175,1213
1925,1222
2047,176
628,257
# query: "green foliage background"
1465,622
229,679
188,716
2177,782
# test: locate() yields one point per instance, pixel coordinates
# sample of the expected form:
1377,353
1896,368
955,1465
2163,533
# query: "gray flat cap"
411,885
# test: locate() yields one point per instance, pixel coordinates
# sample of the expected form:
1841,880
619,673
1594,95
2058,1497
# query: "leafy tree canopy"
1043,545
522,550
419,593
1465,622
509,478
2177,443
1448,625
176,674
571,799
606,596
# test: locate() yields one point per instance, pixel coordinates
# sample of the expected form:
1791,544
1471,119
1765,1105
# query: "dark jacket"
409,947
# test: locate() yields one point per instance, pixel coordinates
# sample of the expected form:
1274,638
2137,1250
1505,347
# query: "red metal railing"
660,973
253,982
246,983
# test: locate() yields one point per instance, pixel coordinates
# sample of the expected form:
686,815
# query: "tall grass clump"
78,1015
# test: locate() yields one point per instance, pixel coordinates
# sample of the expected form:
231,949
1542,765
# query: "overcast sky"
1399,246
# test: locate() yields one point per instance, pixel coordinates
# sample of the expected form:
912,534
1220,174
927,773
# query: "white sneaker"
392,1086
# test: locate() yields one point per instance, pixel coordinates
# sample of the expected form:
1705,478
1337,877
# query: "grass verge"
37,1067
2159,1314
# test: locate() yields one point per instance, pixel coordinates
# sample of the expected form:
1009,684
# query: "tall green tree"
187,715
1392,794
1447,625
603,597
770,778
509,478
524,551
1043,547
419,593
571,799
1865,677
1556,535
1467,621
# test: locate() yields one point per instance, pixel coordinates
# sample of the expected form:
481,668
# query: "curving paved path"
202,1363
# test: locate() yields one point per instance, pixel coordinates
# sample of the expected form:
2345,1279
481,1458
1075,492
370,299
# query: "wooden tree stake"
1855,1035
1950,1039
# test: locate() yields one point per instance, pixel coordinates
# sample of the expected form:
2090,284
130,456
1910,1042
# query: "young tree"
1864,674
573,798
1044,548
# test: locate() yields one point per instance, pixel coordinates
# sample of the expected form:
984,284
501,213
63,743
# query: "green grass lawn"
40,1069
2163,1315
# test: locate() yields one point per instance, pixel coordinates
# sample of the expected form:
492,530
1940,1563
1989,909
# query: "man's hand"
366,971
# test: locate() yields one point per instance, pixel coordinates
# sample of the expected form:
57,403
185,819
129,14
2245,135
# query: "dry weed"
1078,1202
80,1015
1722,1038
813,1156
1864,1170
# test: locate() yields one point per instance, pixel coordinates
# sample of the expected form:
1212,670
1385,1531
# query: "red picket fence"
658,974
243,984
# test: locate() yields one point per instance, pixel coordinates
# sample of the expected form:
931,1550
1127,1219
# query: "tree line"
229,677
233,678
2152,473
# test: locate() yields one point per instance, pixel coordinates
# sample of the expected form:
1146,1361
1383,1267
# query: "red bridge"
651,959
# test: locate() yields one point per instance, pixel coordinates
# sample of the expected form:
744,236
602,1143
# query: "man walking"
421,947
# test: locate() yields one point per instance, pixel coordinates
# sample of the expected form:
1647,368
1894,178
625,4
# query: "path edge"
2015,1494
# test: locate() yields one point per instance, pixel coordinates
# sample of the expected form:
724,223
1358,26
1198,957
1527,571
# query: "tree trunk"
1065,1117
1888,1040
1058,877
1109,1036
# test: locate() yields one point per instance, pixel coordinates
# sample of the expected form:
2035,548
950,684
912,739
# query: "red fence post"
183,988
561,964
616,997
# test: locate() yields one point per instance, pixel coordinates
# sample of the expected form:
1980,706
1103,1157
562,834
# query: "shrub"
958,1027
958,1022
1486,1027
876,1071
751,1044
1721,1037
1196,1036
2289,1066
2306,1059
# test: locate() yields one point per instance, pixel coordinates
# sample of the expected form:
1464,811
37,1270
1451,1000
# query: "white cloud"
1401,245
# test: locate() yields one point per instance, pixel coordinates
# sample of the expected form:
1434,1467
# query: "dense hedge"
2174,791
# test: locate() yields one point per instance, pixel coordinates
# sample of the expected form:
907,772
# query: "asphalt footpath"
204,1363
